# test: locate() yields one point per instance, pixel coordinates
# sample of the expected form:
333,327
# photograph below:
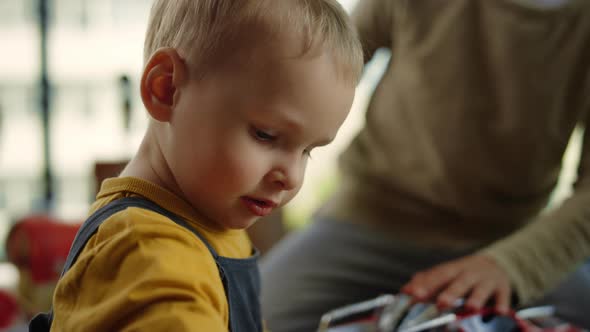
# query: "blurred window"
70,13
130,12
20,148
16,12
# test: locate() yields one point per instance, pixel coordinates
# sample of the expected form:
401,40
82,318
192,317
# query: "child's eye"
263,136
307,152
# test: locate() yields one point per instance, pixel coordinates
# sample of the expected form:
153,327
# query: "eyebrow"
298,128
289,122
295,125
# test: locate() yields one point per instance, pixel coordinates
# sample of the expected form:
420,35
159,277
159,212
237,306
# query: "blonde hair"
205,31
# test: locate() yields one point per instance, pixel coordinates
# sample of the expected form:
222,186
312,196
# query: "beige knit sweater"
465,133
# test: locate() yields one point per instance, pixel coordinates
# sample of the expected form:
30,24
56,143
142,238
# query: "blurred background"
69,99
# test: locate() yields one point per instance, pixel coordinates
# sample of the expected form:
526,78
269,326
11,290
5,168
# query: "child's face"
240,137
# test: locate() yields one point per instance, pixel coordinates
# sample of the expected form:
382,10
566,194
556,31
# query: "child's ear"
163,74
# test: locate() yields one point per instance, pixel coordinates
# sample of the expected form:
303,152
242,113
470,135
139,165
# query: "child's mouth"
259,207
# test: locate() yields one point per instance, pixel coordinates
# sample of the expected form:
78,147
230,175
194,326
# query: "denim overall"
240,277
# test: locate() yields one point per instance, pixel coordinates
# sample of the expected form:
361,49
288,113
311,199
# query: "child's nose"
288,177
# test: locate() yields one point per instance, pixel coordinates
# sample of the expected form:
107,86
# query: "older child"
239,93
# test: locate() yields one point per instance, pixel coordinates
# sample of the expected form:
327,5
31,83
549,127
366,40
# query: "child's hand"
476,278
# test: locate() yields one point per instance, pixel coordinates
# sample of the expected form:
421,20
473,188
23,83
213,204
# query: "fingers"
487,290
480,295
456,290
503,299
476,278
425,285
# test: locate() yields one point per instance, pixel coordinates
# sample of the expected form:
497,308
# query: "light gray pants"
331,264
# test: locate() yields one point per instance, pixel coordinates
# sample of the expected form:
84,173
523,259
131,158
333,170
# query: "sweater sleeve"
543,253
373,20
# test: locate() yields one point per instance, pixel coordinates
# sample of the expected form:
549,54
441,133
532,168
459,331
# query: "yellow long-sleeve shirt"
143,272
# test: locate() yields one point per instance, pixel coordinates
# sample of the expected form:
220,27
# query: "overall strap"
96,219
42,322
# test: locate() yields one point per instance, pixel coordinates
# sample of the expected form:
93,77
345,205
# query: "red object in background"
40,244
9,310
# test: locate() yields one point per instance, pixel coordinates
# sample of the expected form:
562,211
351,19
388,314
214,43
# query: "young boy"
239,93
